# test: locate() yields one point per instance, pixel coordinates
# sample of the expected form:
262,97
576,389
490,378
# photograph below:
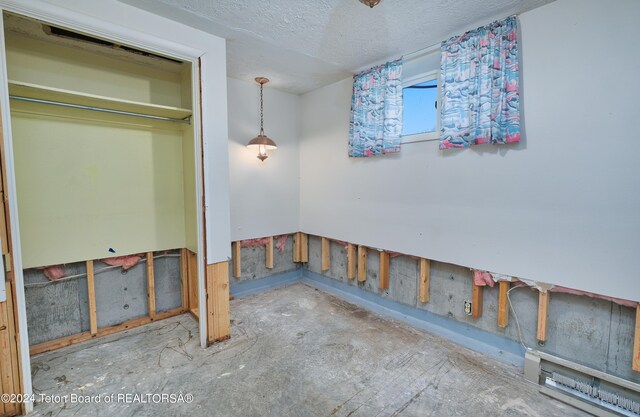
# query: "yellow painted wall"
43,63
90,182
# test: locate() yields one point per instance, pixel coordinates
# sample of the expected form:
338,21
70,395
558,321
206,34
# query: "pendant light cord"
261,113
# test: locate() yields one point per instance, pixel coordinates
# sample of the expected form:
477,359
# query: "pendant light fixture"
370,3
262,142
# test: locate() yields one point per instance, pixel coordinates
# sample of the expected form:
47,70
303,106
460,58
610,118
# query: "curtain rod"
99,109
422,52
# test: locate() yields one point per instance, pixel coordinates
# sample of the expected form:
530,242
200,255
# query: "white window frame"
421,78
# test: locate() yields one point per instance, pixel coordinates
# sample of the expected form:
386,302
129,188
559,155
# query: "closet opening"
106,175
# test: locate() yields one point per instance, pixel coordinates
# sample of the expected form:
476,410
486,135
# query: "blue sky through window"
419,110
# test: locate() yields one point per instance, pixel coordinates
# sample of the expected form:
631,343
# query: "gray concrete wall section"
120,295
56,309
593,332
253,262
168,282
61,308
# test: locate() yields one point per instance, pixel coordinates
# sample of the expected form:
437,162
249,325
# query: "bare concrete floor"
294,351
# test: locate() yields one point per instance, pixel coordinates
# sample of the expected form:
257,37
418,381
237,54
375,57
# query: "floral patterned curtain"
480,93
376,111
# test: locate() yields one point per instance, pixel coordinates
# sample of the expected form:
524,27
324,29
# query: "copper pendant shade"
370,3
262,142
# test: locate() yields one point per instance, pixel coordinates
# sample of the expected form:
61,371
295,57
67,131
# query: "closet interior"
105,164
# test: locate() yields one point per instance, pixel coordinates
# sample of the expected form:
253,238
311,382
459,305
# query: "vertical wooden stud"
269,253
296,247
425,278
351,261
476,301
91,290
362,263
304,247
6,371
217,287
237,259
13,342
184,278
384,270
503,304
326,254
192,273
151,287
636,342
543,314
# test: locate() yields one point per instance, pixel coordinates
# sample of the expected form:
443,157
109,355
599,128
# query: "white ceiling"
302,45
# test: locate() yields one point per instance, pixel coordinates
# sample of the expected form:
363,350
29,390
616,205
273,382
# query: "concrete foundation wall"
253,261
56,308
589,331
60,308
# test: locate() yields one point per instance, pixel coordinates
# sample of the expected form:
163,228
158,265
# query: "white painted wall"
563,206
264,195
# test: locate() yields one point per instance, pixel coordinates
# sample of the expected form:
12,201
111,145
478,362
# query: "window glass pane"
419,108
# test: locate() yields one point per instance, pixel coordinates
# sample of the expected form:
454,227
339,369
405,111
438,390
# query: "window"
420,120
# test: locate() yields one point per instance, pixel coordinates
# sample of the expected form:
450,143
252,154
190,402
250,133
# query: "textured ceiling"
304,44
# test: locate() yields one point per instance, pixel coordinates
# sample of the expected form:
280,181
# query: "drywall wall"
562,206
46,63
264,195
87,187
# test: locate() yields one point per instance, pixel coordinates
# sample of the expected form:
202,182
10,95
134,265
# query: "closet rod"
100,109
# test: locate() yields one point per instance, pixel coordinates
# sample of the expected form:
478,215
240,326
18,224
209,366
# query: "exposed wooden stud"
151,287
91,290
503,304
104,331
304,247
384,270
296,247
6,371
543,314
351,261
192,272
636,342
476,301
362,263
269,253
237,259
425,278
184,277
13,342
300,247
218,317
326,254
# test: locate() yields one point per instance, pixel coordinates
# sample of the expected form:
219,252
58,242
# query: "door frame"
57,15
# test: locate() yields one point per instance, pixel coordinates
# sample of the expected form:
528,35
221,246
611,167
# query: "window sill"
420,137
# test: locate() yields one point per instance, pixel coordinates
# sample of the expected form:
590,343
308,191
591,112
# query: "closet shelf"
34,91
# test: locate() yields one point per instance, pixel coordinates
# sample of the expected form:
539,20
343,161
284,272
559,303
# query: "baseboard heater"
585,388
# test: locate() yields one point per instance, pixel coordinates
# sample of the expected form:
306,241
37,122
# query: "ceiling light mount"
262,142
370,3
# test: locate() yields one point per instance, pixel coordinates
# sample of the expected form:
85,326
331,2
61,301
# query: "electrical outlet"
467,307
